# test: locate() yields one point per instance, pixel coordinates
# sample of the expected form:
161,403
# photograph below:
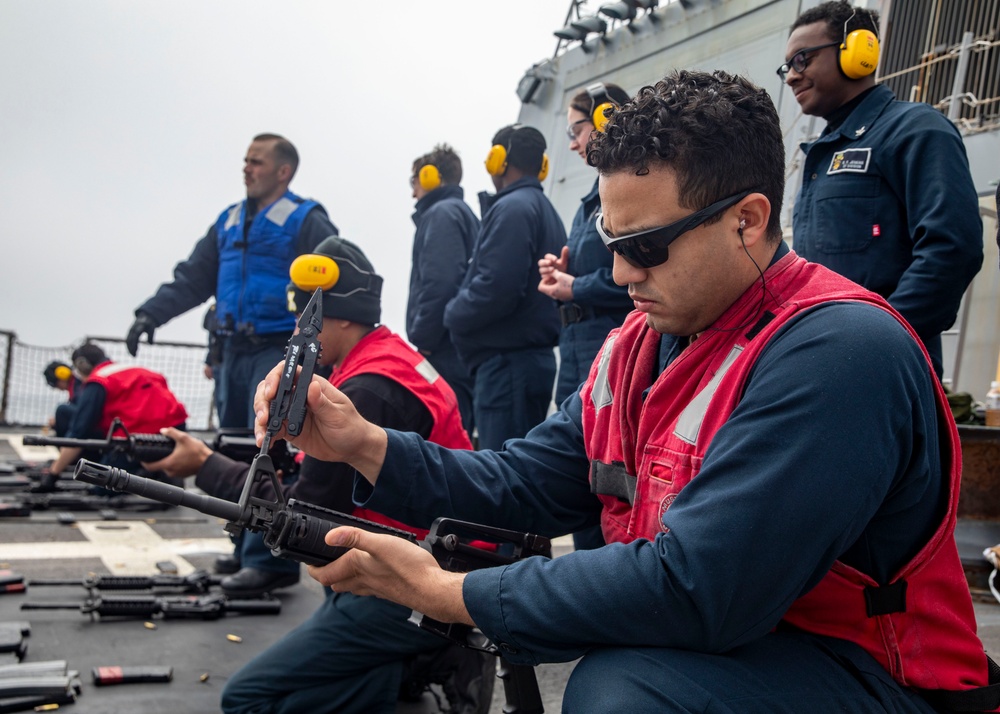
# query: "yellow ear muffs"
601,103
496,160
600,117
312,270
63,373
859,54
429,177
545,168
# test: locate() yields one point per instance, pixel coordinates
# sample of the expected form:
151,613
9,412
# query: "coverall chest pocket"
846,208
663,472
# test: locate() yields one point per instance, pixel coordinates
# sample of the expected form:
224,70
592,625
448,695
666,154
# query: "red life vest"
384,353
921,625
137,396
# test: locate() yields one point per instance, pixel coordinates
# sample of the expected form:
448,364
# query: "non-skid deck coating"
42,547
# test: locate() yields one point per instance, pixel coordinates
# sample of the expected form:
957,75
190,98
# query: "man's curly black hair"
718,132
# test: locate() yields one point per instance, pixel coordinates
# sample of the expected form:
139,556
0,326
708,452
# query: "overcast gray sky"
123,127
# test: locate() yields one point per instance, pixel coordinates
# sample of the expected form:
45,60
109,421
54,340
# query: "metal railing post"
5,397
957,85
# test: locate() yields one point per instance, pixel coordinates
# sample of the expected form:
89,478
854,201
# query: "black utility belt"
570,313
246,339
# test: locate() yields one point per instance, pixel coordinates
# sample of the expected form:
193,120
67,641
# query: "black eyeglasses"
571,130
647,249
799,61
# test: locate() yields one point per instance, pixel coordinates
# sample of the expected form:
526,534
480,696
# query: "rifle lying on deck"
38,481
237,444
296,530
200,581
170,607
21,505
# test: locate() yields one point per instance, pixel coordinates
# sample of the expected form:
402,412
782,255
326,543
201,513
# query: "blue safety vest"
253,271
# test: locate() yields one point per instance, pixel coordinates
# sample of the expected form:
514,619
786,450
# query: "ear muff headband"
63,373
601,103
429,177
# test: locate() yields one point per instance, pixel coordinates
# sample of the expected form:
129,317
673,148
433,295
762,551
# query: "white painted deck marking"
125,548
31,453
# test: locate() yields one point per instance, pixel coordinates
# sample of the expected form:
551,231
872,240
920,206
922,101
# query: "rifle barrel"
123,482
50,605
60,441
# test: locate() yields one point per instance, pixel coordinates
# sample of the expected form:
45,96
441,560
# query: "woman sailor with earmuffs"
590,304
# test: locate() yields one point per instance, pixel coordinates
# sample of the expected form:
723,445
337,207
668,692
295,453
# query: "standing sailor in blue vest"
243,261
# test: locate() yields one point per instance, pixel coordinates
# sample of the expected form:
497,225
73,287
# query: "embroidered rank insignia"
853,161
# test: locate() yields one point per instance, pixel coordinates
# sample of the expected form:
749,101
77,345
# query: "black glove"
143,324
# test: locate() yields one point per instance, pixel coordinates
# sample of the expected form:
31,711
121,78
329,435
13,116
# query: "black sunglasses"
647,249
799,61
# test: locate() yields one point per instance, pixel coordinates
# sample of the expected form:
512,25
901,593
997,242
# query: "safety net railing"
27,400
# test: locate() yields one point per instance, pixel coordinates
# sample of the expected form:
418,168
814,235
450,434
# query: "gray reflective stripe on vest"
612,480
427,371
693,415
281,210
233,219
601,395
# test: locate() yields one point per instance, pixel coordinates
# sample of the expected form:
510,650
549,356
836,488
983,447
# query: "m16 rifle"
170,607
296,530
21,505
141,447
200,581
237,444
38,481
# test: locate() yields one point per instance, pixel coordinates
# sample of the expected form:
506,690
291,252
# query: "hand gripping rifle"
296,530
291,529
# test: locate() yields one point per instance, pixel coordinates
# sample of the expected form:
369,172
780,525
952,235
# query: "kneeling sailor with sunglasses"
765,444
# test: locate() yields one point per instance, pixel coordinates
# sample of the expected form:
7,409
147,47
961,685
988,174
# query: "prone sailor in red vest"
765,444
138,396
350,655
